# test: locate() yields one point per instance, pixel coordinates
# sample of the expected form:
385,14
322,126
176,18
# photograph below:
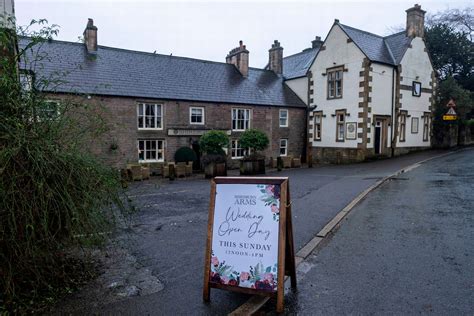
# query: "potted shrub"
214,160
254,141
185,157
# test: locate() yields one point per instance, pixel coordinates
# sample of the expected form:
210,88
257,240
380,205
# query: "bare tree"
459,19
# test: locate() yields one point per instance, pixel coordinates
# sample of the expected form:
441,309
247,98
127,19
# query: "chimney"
415,21
90,37
275,58
317,42
239,57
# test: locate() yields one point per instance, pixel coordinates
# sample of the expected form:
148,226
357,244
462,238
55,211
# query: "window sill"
236,158
334,98
197,123
150,129
147,161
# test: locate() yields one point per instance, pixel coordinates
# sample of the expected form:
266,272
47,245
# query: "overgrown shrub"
253,140
185,154
53,194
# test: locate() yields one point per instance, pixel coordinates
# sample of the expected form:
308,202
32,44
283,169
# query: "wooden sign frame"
286,252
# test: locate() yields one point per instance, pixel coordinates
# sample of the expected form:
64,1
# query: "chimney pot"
415,21
90,37
336,20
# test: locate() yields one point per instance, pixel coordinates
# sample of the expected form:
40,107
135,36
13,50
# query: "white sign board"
245,236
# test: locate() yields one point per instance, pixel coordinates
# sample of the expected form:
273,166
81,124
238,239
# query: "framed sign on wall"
351,130
250,238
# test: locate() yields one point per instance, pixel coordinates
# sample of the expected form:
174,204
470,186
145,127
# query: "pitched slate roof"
297,65
398,44
387,50
121,72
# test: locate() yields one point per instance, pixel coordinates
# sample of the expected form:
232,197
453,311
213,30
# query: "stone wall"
334,155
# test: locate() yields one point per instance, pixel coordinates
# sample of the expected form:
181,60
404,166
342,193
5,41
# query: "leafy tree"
213,141
450,89
253,140
452,54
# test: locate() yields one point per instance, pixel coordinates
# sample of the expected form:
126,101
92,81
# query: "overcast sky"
208,30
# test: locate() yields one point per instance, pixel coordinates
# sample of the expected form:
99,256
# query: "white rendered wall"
7,11
381,97
416,66
337,53
300,87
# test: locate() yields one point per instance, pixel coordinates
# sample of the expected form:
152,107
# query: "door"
378,137
197,150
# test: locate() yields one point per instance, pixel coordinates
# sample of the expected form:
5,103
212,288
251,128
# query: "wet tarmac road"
407,249
169,233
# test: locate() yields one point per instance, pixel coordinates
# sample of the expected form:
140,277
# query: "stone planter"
252,166
215,170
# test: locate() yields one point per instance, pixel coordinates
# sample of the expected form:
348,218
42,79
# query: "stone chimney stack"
239,57
415,21
275,58
317,42
90,37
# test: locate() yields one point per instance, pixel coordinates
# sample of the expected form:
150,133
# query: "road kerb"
308,248
256,302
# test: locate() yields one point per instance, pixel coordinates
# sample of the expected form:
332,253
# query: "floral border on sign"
257,277
271,197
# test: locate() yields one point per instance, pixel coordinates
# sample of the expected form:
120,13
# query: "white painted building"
368,95
7,13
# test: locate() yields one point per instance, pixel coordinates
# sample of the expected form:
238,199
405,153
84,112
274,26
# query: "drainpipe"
393,121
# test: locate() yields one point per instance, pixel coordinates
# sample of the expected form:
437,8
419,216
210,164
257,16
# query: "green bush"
254,140
212,142
54,196
185,154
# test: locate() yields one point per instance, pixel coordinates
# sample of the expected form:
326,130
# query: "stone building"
370,95
159,103
353,96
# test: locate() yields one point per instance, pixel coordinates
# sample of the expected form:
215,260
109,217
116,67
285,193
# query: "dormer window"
335,83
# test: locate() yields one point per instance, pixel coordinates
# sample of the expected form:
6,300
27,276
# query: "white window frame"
285,118
335,77
155,105
202,115
426,127
234,149
403,126
415,126
246,119
316,124
145,160
340,126
285,147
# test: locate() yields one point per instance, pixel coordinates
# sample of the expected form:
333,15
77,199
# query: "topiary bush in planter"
254,141
214,160
185,154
